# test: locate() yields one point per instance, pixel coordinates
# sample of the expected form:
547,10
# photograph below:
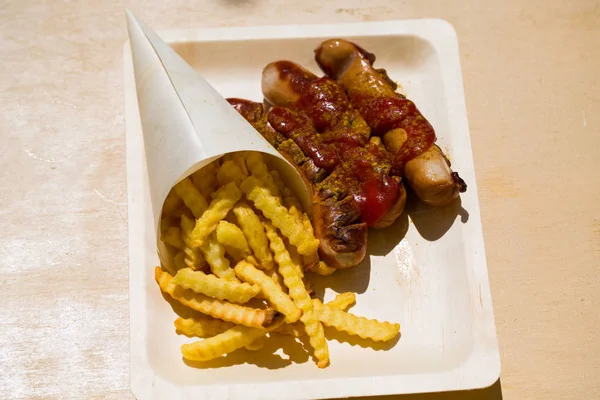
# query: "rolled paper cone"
186,123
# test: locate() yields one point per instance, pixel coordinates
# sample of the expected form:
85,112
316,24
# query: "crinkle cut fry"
201,326
342,302
271,207
255,234
191,197
227,342
280,300
298,293
354,325
172,235
206,179
293,205
213,286
224,310
258,168
230,234
321,268
214,253
230,171
194,258
224,200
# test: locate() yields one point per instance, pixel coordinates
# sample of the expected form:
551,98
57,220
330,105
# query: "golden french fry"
201,326
342,301
293,205
224,310
191,197
206,179
323,269
179,260
287,197
230,171
281,301
214,253
212,286
231,235
194,258
171,204
172,235
274,275
255,234
296,329
258,168
271,207
354,325
256,345
240,159
224,200
293,280
226,342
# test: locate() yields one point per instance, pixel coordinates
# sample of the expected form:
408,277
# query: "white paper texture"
186,122
429,275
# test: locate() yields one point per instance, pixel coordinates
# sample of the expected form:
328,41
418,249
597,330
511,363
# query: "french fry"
212,286
271,207
224,310
354,325
274,275
258,168
226,342
288,199
322,269
229,172
214,253
172,235
206,179
293,280
194,258
293,205
281,301
230,235
171,204
179,260
191,197
238,158
342,301
201,326
256,345
255,234
223,201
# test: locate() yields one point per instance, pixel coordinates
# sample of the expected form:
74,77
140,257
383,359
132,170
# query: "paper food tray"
428,271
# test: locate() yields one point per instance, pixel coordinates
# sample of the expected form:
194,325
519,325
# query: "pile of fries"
241,243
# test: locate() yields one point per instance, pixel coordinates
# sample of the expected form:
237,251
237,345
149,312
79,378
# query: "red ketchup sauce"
383,114
335,136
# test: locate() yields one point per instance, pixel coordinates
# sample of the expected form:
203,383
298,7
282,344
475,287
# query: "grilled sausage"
320,119
406,133
342,236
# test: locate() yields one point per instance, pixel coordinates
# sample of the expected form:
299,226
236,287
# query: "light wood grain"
533,96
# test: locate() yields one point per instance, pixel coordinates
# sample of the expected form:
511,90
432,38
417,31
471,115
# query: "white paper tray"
433,280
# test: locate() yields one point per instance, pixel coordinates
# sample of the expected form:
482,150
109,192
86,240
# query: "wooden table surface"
531,74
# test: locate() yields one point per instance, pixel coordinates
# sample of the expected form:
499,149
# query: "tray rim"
145,383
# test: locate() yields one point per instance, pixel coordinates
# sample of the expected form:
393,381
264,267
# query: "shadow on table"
493,392
433,222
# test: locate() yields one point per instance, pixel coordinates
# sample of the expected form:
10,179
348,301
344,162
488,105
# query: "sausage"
406,133
322,122
283,82
343,237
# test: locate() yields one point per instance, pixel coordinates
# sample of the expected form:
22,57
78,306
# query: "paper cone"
186,123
